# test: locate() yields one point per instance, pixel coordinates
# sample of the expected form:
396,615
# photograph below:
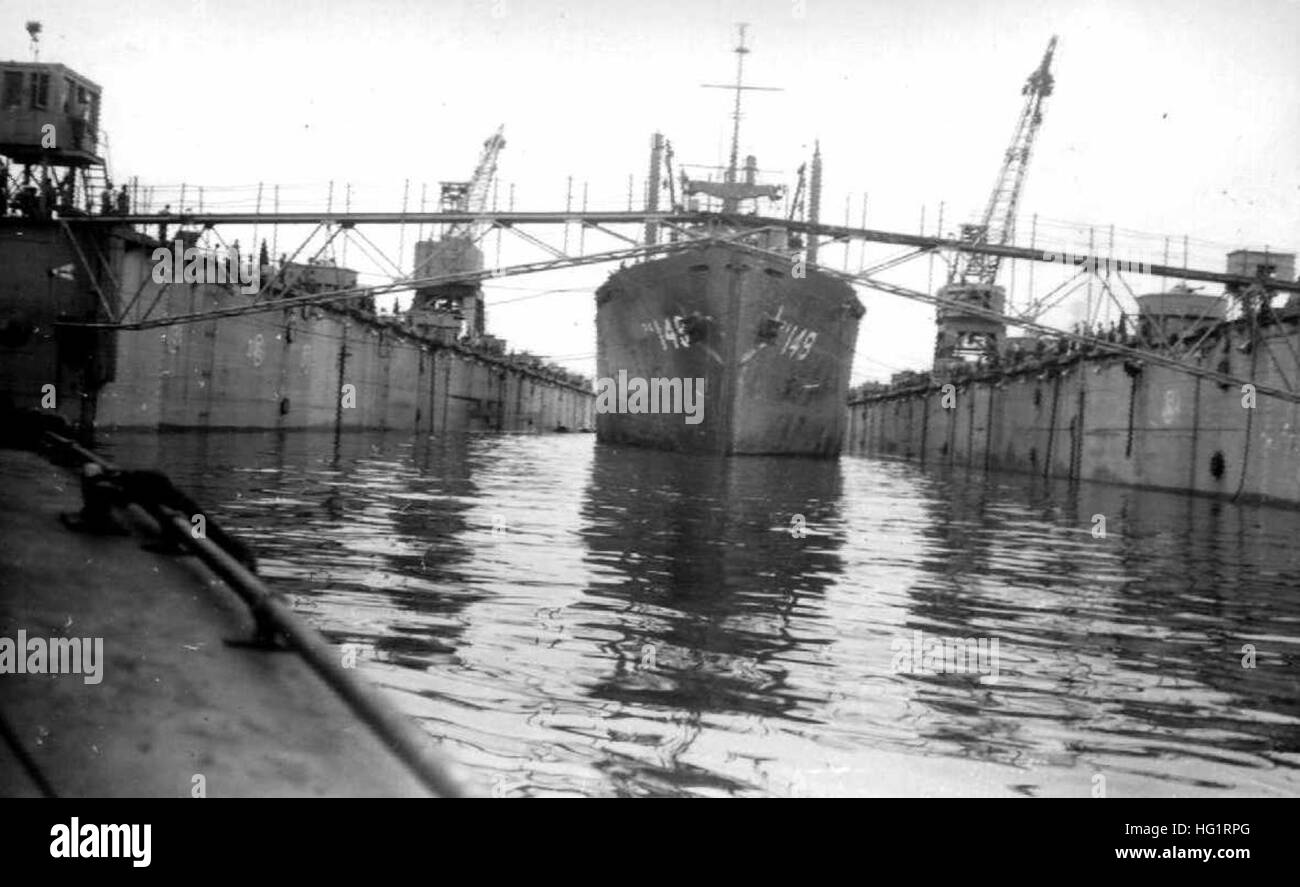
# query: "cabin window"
69,92
13,89
40,91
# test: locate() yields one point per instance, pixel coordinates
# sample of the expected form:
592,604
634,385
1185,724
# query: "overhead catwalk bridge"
688,224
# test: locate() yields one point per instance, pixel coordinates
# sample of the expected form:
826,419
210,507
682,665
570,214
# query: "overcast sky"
1171,117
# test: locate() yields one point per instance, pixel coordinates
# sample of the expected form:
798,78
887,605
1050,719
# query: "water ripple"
573,619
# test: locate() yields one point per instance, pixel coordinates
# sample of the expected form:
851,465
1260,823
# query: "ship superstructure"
744,317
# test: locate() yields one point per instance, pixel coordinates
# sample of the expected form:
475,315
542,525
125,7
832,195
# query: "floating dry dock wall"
1105,418
305,367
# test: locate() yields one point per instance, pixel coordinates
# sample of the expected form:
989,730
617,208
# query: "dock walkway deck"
175,702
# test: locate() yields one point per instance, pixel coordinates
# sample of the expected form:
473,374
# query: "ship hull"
772,343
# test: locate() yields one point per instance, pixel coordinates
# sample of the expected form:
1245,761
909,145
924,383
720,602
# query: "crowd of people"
30,197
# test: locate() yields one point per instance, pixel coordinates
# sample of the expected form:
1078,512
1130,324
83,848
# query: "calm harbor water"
575,619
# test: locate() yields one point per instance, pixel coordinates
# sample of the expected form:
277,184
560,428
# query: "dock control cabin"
1262,263
48,113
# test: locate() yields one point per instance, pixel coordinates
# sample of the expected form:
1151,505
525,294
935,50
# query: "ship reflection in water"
573,618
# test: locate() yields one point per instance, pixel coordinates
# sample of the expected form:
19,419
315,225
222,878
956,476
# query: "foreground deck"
176,702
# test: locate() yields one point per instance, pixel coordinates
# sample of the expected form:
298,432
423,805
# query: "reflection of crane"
472,196
973,277
999,222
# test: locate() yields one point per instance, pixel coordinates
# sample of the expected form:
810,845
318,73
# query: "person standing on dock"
106,200
49,198
162,226
123,202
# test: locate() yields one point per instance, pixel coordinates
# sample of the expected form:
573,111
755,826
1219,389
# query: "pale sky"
1170,117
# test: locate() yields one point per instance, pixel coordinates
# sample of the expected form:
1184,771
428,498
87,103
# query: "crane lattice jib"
473,197
998,226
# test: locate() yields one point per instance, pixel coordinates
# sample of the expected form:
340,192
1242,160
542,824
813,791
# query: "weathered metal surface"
279,369
1093,419
773,349
175,707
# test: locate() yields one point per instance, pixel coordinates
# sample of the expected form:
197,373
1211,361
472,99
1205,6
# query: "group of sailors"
1062,347
40,199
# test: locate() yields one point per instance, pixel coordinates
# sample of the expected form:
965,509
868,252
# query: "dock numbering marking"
83,656
89,841
638,395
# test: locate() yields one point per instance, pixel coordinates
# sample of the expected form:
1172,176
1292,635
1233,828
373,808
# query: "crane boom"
969,332
472,196
997,227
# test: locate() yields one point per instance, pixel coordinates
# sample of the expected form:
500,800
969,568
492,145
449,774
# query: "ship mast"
34,32
741,52
731,204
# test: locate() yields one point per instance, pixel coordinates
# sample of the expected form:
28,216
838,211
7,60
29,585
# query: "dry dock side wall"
310,368
1095,420
279,369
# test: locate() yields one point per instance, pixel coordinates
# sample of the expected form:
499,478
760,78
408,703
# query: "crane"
972,277
452,309
472,196
998,224
795,210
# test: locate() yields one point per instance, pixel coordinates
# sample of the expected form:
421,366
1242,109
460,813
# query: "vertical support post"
1093,272
1033,245
862,245
347,208
653,185
401,229
847,242
568,207
1110,263
258,211
815,200
1011,281
424,196
275,228
582,229
496,195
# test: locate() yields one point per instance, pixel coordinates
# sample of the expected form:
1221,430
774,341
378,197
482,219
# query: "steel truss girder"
711,221
1152,357
290,302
